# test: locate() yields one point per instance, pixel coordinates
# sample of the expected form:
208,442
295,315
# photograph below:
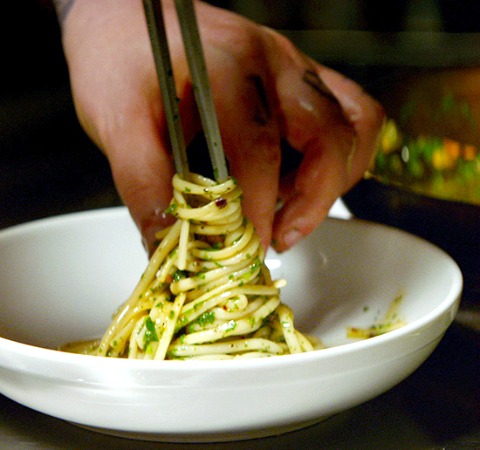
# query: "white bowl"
61,279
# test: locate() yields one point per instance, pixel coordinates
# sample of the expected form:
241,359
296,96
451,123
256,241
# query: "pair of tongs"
201,85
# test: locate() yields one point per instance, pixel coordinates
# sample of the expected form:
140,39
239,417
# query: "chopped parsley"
150,332
179,274
172,208
206,318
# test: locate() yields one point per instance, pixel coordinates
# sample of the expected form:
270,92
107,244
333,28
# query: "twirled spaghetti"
206,292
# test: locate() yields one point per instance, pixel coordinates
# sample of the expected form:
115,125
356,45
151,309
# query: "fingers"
265,90
142,170
315,125
251,139
364,113
334,123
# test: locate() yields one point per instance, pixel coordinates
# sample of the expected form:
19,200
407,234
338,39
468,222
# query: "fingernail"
291,237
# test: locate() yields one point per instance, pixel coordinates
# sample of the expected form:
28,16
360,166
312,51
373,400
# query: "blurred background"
49,166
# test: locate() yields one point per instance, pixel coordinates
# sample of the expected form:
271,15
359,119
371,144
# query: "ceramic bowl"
61,279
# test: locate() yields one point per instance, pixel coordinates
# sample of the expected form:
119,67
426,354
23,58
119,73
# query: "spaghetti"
206,292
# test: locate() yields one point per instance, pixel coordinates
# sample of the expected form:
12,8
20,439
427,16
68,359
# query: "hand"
265,91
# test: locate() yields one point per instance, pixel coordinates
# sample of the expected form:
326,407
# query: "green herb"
256,265
179,274
205,319
172,208
150,332
150,349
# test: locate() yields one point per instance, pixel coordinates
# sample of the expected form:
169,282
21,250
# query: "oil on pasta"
206,292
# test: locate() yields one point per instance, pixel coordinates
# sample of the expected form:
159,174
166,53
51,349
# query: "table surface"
438,406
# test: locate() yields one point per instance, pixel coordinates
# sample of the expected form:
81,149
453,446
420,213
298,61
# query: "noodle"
206,292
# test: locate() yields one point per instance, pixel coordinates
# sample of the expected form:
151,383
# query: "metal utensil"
200,80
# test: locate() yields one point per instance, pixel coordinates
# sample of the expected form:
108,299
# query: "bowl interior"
63,278
452,226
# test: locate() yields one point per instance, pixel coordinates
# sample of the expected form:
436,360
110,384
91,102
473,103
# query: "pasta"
206,292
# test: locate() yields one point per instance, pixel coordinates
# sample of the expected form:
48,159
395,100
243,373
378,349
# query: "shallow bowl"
62,278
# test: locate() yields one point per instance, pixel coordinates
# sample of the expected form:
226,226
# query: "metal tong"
201,85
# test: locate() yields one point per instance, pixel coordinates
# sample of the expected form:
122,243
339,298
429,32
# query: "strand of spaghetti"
285,316
218,230
230,221
218,315
183,244
275,329
217,210
164,272
122,317
224,287
237,312
136,344
250,248
118,338
209,210
189,283
169,327
304,342
159,313
193,310
116,345
221,294
201,185
234,327
236,303
165,247
212,210
144,338
248,355
223,254
264,332
232,346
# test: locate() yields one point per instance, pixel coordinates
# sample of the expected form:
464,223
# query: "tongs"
201,85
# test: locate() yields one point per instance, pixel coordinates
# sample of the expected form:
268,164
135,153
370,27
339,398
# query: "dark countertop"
438,406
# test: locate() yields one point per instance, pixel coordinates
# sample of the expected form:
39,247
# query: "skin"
265,91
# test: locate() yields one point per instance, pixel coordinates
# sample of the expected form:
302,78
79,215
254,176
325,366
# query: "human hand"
265,91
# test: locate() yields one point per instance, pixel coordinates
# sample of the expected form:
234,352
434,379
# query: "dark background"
49,166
